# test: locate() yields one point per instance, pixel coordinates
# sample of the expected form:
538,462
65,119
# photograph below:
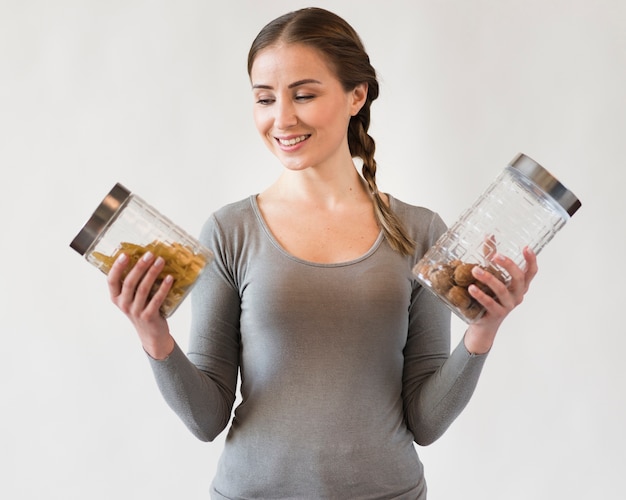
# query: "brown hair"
344,50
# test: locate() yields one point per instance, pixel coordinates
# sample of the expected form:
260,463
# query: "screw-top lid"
546,182
100,218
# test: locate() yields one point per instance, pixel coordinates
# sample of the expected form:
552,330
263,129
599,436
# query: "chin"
293,164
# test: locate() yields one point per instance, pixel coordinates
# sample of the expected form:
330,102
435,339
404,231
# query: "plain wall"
154,94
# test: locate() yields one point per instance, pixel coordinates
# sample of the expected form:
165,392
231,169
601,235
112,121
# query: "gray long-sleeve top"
343,366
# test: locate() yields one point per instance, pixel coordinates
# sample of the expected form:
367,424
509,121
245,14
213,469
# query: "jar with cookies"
525,206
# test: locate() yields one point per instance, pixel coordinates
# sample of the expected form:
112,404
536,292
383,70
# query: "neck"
322,189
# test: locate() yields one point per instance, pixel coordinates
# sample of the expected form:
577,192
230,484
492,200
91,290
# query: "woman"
344,359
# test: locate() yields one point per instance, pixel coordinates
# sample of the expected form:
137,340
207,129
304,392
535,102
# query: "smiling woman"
345,361
339,47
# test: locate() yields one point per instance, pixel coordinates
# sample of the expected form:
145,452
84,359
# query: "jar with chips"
125,223
524,206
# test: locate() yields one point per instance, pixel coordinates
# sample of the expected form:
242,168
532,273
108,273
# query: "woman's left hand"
480,335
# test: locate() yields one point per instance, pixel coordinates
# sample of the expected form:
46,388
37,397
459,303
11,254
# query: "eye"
263,97
265,101
304,97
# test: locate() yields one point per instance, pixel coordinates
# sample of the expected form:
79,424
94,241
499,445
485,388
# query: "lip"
291,142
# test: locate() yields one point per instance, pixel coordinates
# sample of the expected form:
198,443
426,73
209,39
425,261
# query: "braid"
363,146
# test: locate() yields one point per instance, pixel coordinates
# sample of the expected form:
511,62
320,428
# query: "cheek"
335,120
261,121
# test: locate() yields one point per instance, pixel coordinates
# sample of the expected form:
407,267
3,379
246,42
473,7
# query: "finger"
157,300
135,275
531,265
520,278
114,277
126,297
493,306
517,284
504,293
146,284
493,279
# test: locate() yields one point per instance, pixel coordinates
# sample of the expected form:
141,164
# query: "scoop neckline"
282,250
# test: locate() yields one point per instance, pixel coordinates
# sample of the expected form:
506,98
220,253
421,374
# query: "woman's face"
300,108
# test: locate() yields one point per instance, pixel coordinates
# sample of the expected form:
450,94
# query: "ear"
358,96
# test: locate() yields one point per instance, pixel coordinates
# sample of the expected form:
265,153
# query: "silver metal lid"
546,182
100,218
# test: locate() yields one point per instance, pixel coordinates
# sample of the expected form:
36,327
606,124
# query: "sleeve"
437,384
201,386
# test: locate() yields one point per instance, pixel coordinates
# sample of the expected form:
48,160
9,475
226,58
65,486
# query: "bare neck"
320,189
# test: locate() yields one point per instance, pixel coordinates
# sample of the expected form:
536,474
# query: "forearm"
200,402
444,395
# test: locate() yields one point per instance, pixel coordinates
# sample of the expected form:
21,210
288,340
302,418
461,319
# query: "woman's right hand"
132,296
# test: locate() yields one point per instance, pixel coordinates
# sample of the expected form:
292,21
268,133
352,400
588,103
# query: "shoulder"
417,218
230,221
423,224
238,210
237,214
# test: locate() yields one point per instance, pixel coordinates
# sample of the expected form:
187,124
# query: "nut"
473,310
452,279
463,275
459,297
442,279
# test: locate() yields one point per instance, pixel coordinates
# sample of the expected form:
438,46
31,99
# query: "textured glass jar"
524,206
123,222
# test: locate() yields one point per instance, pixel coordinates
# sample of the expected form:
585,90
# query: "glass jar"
125,223
524,206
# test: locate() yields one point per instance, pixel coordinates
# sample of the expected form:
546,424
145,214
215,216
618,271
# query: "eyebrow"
299,83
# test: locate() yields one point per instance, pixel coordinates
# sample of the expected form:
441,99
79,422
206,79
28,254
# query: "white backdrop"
155,95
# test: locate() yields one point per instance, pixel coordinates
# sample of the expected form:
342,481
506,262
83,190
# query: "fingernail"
147,257
159,261
169,278
122,258
478,271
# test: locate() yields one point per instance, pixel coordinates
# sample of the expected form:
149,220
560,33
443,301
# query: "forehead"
289,62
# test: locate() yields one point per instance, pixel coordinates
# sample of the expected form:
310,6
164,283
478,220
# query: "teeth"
292,142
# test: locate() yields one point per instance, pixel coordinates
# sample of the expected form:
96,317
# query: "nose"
285,114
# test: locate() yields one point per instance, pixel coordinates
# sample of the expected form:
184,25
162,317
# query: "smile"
293,141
